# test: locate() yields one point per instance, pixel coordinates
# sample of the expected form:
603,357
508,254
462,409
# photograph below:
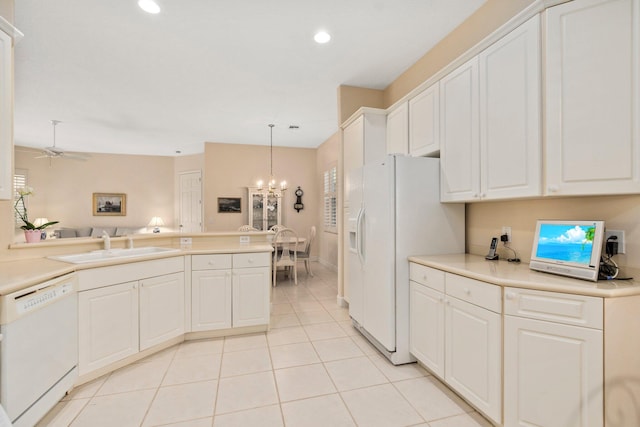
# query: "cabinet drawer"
262,259
557,307
427,276
211,262
475,292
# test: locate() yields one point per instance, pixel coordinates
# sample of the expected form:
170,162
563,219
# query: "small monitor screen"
568,248
566,242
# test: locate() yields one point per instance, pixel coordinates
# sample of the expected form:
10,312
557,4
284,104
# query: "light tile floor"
311,369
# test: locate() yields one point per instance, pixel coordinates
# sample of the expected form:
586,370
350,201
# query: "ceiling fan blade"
75,156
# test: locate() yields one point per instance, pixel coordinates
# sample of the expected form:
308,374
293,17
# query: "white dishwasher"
39,348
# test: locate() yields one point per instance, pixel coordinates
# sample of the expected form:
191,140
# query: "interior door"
379,249
191,202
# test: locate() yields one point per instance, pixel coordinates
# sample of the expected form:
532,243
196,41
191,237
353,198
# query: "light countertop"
504,273
19,274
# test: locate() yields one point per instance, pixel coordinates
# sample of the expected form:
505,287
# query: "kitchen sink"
112,254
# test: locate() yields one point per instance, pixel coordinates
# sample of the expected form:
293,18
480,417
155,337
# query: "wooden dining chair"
304,255
285,254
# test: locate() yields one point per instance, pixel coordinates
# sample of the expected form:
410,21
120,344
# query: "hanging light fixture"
271,187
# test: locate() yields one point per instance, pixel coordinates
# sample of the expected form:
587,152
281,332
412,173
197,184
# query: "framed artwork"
109,204
229,204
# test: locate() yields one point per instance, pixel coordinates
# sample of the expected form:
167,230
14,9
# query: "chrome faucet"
107,240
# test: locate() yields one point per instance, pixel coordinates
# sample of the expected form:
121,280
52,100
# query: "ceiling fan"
54,152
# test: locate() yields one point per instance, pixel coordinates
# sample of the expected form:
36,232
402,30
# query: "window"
19,181
330,200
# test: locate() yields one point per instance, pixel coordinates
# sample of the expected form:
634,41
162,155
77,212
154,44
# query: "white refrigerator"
394,212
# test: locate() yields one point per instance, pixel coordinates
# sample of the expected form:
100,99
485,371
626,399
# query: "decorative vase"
32,236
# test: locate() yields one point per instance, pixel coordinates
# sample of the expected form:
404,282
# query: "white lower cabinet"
251,287
210,300
456,332
473,350
553,370
230,290
127,308
108,325
161,309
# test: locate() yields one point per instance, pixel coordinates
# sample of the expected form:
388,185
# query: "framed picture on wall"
229,204
109,204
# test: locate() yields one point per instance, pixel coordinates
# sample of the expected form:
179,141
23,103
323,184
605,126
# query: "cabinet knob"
510,295
467,291
424,277
475,195
483,195
553,188
250,260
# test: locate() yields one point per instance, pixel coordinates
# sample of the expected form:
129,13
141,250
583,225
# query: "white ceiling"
124,81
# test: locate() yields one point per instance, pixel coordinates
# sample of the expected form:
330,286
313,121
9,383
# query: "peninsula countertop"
518,275
22,273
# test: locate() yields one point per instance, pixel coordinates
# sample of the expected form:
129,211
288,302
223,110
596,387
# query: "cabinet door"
251,293
6,116
552,374
398,130
510,109
108,325
473,362
272,210
352,151
210,300
161,309
592,97
424,122
426,327
459,134
256,210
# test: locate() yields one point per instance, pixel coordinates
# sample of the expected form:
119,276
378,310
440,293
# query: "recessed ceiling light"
149,6
322,37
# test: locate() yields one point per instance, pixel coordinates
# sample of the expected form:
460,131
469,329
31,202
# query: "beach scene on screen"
566,242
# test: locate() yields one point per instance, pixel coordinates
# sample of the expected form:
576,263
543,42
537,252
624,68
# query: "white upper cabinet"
398,130
363,142
490,121
510,110
9,35
592,97
424,122
459,134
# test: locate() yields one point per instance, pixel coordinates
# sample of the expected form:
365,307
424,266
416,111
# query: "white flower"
25,191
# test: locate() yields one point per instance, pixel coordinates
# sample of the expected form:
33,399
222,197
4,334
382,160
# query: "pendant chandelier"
271,186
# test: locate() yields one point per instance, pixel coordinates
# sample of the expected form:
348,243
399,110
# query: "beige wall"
7,10
351,98
327,157
485,220
231,168
64,187
489,17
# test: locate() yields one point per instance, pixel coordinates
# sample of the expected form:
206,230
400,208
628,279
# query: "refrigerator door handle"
359,235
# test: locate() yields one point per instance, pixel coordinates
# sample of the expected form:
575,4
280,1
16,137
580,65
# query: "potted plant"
31,232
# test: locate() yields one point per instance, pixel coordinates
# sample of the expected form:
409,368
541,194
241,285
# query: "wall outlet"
245,239
507,230
620,235
185,242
